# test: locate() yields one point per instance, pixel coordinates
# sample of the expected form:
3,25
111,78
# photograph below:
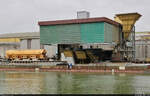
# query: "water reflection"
21,83
123,84
65,83
142,84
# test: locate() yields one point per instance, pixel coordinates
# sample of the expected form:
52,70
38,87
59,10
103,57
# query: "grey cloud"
23,15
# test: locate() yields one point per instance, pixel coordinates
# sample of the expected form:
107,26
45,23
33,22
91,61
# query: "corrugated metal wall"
107,32
35,44
142,49
111,33
23,44
115,34
148,49
60,34
79,33
92,33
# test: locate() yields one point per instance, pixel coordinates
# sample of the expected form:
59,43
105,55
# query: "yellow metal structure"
147,59
9,40
92,56
146,38
26,54
68,53
127,20
143,35
80,54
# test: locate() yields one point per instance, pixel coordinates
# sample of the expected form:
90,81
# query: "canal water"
73,83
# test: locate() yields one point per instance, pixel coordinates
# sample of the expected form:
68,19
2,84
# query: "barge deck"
58,66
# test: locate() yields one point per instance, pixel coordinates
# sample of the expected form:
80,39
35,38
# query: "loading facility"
76,33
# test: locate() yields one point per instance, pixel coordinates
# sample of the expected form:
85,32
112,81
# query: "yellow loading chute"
127,20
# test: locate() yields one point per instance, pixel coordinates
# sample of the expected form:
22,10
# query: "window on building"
29,44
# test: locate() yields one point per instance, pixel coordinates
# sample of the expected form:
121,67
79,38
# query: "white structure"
70,60
83,14
142,44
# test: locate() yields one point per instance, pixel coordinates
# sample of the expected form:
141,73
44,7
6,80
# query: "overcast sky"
23,15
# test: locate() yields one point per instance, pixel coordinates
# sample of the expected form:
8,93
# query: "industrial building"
86,33
81,40
28,40
112,37
21,41
142,46
93,30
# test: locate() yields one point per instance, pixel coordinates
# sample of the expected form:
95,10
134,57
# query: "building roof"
79,21
21,35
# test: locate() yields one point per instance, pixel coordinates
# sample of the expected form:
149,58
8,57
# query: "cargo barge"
108,67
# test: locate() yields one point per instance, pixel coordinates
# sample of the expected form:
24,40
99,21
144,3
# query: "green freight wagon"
80,31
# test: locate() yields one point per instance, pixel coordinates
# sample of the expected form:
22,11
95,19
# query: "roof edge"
78,21
128,14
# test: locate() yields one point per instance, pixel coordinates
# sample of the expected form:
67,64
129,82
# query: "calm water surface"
65,83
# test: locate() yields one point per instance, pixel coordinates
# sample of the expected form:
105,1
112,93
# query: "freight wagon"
39,54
